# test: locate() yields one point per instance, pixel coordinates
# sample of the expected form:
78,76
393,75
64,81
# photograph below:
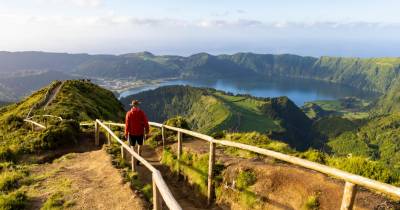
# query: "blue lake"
298,90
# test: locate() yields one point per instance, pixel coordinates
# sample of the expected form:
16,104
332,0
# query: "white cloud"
80,3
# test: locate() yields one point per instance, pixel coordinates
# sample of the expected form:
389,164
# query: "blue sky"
309,27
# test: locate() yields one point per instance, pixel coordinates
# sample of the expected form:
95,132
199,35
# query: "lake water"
298,90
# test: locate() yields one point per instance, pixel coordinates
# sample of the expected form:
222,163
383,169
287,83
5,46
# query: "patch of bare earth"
86,180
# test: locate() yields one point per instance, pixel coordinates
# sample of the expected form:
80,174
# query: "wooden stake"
157,199
122,153
109,136
211,163
96,134
133,161
179,145
163,136
349,195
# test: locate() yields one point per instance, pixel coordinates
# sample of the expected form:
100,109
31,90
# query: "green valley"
211,111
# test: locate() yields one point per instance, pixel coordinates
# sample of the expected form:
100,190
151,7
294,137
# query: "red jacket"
136,122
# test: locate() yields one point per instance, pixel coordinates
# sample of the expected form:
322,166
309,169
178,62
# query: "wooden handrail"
35,123
350,179
158,181
45,115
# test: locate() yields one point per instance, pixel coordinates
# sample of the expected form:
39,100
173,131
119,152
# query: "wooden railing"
351,180
160,189
34,123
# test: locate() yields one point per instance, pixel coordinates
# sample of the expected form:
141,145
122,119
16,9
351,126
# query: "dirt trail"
87,180
53,94
182,193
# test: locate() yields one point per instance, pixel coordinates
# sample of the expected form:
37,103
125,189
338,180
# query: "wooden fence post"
211,163
96,133
349,194
163,136
109,136
179,145
133,161
157,199
122,152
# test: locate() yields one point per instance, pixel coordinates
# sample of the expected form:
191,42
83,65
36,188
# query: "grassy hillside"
209,111
378,140
21,148
85,101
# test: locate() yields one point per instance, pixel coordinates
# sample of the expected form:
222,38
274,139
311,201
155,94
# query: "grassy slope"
210,111
245,114
379,139
85,101
207,110
20,146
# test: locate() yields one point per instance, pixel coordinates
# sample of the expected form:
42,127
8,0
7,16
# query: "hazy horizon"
309,28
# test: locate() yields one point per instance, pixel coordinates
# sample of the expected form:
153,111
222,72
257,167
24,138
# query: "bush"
312,203
6,154
255,139
13,201
245,179
178,122
64,133
9,180
54,202
14,122
314,155
364,167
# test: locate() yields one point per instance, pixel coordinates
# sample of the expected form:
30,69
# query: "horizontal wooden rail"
35,123
46,115
356,179
158,181
350,179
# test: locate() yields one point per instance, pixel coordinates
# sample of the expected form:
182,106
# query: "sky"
361,28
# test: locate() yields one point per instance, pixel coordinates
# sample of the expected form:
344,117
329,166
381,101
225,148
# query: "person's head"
135,103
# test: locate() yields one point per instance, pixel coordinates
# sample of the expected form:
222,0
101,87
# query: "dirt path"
182,193
53,94
86,181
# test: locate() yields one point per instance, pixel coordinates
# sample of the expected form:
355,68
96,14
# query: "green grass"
312,203
194,167
246,115
13,201
255,139
10,180
86,101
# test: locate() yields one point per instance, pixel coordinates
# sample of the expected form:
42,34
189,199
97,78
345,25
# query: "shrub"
14,122
312,203
255,139
13,201
178,122
66,132
54,202
364,167
9,180
245,179
6,154
314,155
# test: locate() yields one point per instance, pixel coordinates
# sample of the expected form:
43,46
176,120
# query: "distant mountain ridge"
373,74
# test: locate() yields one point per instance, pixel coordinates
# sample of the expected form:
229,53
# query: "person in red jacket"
136,125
